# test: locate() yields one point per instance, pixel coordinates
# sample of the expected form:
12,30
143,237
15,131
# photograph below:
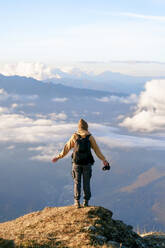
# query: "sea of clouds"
53,131
147,117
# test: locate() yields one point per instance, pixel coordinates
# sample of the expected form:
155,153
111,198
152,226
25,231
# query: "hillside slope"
70,227
31,86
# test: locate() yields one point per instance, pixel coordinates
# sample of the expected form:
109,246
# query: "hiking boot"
85,203
77,204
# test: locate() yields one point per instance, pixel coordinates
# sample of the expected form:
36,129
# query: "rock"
90,228
113,244
102,238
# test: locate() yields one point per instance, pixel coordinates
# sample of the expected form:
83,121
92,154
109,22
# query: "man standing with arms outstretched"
82,160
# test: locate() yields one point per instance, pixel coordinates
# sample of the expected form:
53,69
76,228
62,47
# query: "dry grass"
51,227
66,227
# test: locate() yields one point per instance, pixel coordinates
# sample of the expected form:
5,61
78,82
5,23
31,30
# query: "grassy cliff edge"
70,227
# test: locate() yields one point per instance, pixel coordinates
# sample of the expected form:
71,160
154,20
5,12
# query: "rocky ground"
157,239
70,227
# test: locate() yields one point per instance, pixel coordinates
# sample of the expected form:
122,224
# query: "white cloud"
58,99
111,137
144,17
103,99
23,97
120,117
133,98
3,92
20,128
105,136
3,95
14,105
127,100
46,153
30,104
12,147
150,113
96,113
29,69
4,110
59,116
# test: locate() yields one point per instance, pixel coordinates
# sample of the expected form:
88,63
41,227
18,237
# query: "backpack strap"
78,135
88,136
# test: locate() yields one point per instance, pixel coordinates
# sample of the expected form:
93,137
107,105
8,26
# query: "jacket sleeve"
68,146
96,148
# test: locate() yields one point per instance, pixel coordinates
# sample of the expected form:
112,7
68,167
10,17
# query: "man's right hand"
55,159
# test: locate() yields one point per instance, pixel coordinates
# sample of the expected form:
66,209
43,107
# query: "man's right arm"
68,146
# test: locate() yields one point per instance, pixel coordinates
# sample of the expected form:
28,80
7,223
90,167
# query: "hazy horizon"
126,37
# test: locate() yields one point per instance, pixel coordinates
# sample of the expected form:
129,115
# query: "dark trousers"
85,172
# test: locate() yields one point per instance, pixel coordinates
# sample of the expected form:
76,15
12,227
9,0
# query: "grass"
51,227
66,227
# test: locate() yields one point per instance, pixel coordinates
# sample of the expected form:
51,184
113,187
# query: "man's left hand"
106,165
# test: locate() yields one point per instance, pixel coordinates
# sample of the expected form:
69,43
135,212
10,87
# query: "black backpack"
82,151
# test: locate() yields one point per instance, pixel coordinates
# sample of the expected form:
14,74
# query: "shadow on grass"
6,243
30,244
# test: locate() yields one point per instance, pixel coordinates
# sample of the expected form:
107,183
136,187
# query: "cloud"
137,62
150,113
15,105
3,92
42,71
92,62
21,128
144,17
20,105
103,99
60,99
143,180
30,104
3,95
54,128
59,116
46,153
52,131
36,70
113,138
12,147
127,100
96,113
4,110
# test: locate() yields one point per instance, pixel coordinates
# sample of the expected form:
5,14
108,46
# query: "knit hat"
83,125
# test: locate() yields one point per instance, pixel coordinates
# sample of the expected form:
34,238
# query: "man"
82,142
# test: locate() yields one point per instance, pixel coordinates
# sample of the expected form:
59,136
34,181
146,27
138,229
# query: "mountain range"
107,80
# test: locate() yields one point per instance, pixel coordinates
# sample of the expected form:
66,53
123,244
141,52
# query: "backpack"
82,151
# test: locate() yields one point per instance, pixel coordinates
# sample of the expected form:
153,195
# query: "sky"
124,35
